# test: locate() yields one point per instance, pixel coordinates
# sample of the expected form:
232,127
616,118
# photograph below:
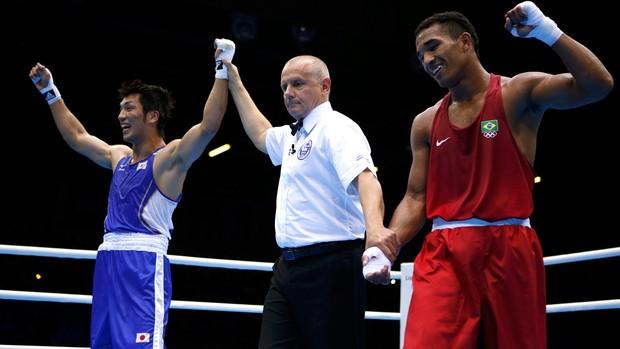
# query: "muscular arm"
587,80
174,161
254,122
410,214
72,130
172,164
528,95
189,148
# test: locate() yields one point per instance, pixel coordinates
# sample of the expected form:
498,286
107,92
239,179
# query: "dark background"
54,197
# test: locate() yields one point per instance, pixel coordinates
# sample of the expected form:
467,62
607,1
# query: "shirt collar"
315,115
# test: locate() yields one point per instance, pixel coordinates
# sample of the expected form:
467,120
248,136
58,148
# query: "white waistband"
439,223
135,242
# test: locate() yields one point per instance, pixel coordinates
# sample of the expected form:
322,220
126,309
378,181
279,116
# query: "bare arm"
174,161
188,149
254,122
72,130
587,80
528,95
410,214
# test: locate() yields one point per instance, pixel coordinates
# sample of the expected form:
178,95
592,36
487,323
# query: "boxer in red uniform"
479,280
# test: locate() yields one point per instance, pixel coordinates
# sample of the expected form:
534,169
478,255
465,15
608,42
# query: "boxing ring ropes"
405,273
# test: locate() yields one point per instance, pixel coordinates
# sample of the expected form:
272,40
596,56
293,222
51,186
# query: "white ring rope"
263,266
176,304
182,260
583,256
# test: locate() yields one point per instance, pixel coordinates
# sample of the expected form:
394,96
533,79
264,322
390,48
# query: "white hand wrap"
376,261
228,51
545,28
50,92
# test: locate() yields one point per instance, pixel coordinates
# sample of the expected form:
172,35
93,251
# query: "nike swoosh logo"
438,143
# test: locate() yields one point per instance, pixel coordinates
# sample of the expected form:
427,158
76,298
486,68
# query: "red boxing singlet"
478,171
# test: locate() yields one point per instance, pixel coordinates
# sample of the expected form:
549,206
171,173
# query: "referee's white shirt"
316,201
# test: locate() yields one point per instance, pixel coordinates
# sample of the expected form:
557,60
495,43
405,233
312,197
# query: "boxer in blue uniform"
132,286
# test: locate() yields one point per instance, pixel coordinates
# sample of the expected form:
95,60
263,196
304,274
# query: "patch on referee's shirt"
143,337
305,150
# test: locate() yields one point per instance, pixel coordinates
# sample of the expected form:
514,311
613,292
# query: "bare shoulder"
117,152
422,124
425,118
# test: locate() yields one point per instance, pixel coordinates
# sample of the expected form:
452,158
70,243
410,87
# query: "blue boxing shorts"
132,291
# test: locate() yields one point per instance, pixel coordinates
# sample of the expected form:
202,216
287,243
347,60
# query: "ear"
465,40
326,85
152,116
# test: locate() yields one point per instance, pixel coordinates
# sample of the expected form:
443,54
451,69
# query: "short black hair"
152,97
455,24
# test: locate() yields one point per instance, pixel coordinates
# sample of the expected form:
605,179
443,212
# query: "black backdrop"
56,198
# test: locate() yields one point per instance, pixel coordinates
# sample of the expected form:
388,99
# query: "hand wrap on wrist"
376,261
49,92
228,51
545,28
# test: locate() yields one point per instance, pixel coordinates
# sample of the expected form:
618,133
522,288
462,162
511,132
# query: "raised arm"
71,129
587,80
254,122
188,149
173,162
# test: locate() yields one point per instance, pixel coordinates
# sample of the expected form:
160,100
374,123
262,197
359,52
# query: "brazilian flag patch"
489,126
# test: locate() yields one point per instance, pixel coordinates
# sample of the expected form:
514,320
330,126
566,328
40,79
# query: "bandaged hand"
49,91
376,261
227,48
544,28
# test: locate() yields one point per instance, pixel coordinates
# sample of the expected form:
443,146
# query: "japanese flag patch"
143,337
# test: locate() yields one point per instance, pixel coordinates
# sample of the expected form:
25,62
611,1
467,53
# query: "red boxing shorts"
478,283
